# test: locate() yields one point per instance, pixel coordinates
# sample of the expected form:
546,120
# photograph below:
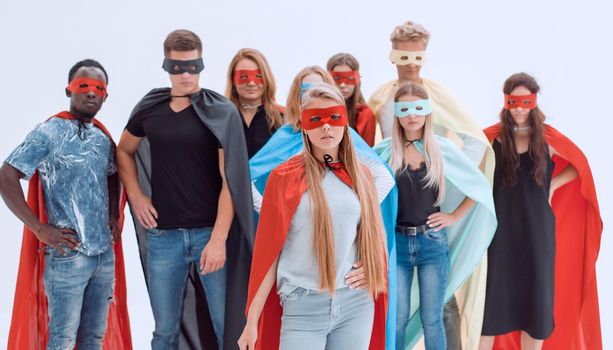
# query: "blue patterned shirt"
74,173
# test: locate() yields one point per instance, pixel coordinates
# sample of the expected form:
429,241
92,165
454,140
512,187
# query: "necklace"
408,143
248,106
521,128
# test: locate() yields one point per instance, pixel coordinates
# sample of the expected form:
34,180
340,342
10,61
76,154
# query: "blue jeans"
79,290
314,320
428,252
169,256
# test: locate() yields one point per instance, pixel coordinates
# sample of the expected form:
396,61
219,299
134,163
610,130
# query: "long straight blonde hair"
273,115
371,246
435,176
294,97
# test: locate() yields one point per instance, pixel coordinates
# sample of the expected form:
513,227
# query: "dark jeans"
451,319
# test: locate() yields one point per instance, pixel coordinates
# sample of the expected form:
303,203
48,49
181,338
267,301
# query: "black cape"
224,121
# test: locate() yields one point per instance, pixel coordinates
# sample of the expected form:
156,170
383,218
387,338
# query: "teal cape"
469,238
287,142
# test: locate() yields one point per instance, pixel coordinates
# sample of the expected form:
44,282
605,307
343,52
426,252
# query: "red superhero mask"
85,85
316,117
244,76
349,78
525,101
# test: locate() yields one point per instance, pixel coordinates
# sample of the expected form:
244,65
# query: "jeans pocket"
68,255
436,236
154,232
294,295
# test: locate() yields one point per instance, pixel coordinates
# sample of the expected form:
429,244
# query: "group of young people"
268,227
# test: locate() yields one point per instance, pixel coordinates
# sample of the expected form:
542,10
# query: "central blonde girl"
371,246
294,97
435,176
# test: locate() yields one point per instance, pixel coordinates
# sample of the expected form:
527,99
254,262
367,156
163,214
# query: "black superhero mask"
179,67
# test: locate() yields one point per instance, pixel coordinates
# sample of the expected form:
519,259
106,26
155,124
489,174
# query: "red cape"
366,124
284,188
578,231
29,324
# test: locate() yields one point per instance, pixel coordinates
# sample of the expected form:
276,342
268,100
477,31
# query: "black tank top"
415,202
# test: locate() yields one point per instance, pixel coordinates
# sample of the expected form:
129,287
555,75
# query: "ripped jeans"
79,291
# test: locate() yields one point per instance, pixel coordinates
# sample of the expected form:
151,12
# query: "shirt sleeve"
135,125
28,156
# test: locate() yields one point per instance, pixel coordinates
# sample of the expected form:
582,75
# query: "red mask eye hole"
315,119
335,116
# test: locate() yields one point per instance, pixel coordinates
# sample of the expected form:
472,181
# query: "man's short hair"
182,40
409,31
86,63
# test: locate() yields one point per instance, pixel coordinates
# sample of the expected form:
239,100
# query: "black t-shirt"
185,179
415,203
257,133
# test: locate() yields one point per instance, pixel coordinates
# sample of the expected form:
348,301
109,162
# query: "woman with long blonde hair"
320,220
303,81
345,70
251,87
429,204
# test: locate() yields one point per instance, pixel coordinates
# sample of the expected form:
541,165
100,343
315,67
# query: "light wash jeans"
429,252
79,290
314,320
169,255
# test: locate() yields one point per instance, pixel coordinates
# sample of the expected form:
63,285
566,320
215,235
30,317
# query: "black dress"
521,257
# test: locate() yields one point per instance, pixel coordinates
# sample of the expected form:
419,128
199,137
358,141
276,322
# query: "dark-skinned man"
72,222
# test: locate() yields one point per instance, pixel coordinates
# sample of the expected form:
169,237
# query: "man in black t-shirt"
180,194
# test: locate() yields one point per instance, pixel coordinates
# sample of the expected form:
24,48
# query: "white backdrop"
475,46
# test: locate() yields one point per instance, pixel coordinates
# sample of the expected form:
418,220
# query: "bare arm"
249,337
567,175
225,208
440,220
13,196
126,164
213,255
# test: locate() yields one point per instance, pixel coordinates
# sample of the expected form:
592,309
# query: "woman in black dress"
521,257
251,87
